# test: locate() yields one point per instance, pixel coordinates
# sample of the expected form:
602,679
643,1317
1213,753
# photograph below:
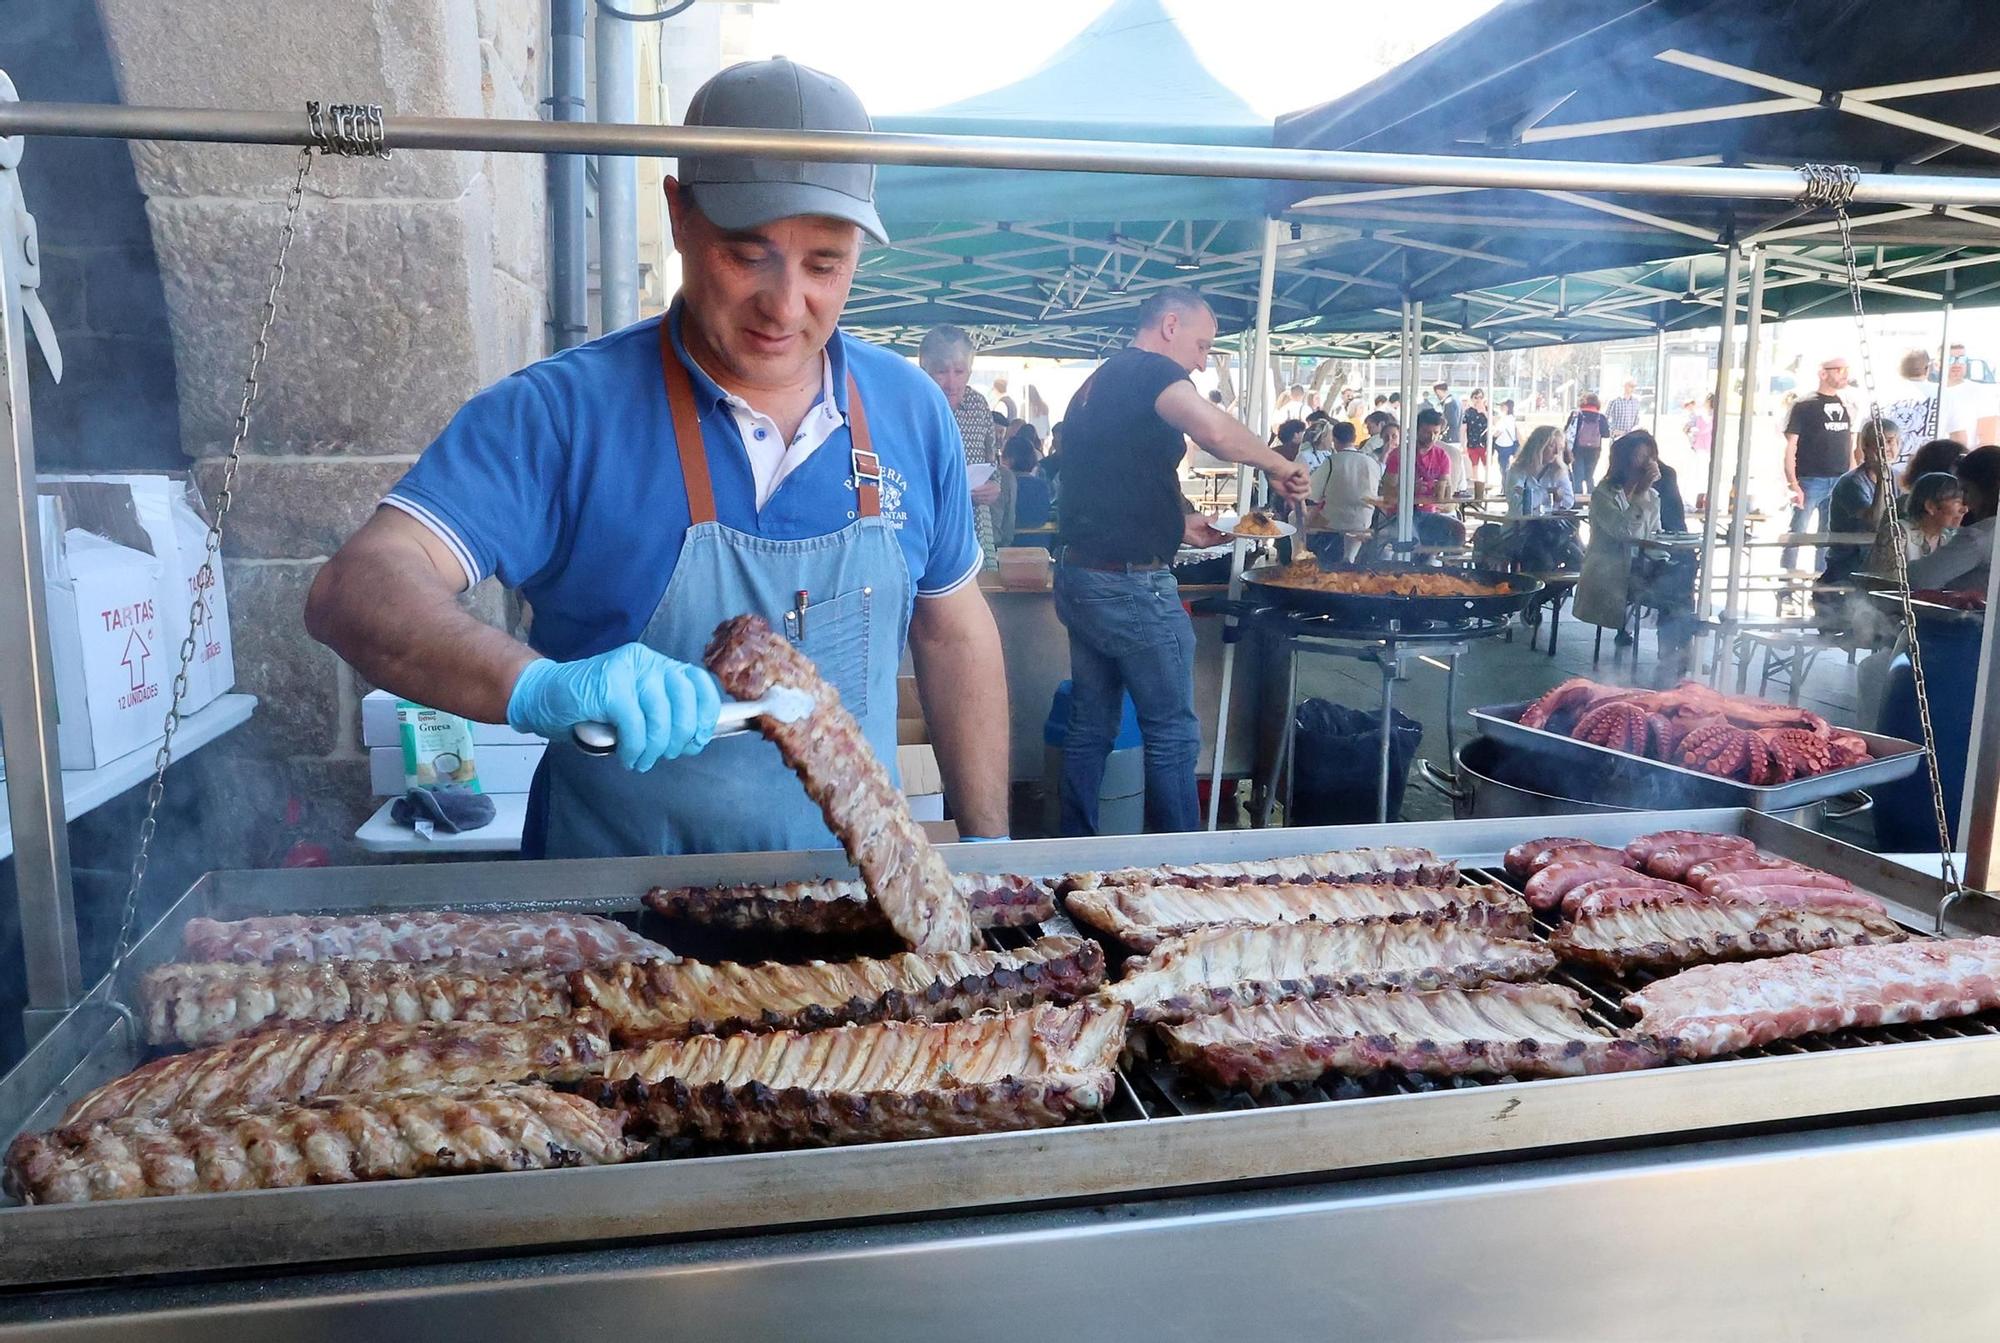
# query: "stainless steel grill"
1160,1135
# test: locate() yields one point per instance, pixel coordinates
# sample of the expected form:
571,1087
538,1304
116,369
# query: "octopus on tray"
1732,736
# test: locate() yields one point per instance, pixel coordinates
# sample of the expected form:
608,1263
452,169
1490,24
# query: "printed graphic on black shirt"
1826,437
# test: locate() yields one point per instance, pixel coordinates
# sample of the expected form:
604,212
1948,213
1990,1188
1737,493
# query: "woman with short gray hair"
946,354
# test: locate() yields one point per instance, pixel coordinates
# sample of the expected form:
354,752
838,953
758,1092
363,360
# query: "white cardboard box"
378,727
107,638
169,511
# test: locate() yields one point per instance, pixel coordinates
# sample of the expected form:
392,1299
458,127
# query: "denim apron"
844,599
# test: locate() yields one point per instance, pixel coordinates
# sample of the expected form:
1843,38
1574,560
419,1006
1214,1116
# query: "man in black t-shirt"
1819,450
1122,518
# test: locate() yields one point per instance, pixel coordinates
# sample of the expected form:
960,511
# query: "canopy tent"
1055,263
1693,81
1805,279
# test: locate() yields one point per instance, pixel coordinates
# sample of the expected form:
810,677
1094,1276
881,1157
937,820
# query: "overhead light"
1187,263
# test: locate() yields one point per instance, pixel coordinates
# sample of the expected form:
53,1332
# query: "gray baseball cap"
779,95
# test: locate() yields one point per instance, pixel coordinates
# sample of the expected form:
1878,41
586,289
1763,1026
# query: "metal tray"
1890,605
1138,1153
1894,759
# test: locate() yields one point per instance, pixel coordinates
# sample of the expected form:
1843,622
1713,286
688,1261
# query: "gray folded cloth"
449,809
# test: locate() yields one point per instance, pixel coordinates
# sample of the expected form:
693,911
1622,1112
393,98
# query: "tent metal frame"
27,692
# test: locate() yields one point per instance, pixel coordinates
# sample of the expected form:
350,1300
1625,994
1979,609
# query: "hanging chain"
352,131
1834,186
205,579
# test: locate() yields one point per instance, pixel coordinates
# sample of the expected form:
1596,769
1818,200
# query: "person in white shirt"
1338,507
1911,403
1506,434
1294,407
1319,443
1970,412
1537,481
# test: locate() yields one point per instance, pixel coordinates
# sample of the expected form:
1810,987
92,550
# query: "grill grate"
1160,1088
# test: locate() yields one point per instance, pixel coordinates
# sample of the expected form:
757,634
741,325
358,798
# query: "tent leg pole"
1724,361
1739,556
1659,376
1259,411
53,972
1406,460
1943,363
1980,811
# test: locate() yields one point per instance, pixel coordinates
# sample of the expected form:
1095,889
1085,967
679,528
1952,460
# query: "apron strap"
867,466
687,432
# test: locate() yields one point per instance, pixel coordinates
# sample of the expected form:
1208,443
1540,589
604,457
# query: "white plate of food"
1256,525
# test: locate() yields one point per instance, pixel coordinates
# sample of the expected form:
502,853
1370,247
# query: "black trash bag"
1337,763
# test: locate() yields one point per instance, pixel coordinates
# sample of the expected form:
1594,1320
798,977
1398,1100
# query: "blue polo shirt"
564,481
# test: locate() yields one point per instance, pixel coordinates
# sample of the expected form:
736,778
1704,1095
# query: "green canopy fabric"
1056,263
1131,74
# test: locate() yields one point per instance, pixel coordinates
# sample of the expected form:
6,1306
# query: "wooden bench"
1789,654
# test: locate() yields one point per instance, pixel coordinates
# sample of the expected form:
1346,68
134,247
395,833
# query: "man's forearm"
414,640
962,679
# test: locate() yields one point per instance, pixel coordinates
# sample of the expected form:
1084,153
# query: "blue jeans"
1582,466
1128,633
1817,490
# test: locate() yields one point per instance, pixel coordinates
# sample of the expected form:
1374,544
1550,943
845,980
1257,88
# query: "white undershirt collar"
771,458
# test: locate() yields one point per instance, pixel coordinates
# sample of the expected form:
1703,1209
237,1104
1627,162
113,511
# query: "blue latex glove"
661,708
983,839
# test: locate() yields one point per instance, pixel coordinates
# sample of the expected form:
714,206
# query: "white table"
379,834
88,789
1927,863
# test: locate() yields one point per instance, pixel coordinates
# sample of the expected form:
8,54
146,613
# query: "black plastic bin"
1337,763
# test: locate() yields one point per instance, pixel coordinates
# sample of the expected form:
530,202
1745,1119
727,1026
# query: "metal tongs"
784,703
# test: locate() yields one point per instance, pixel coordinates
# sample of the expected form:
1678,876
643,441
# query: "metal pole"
569,250
28,689
1389,668
1739,556
987,151
1943,364
1406,455
1659,376
617,179
1712,524
1979,813
1259,411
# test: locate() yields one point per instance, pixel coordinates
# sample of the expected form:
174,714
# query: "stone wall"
116,404
412,283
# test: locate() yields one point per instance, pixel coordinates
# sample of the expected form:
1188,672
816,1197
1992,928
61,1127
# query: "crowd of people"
1131,423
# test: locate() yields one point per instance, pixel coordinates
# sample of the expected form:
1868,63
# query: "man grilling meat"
1123,517
738,455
